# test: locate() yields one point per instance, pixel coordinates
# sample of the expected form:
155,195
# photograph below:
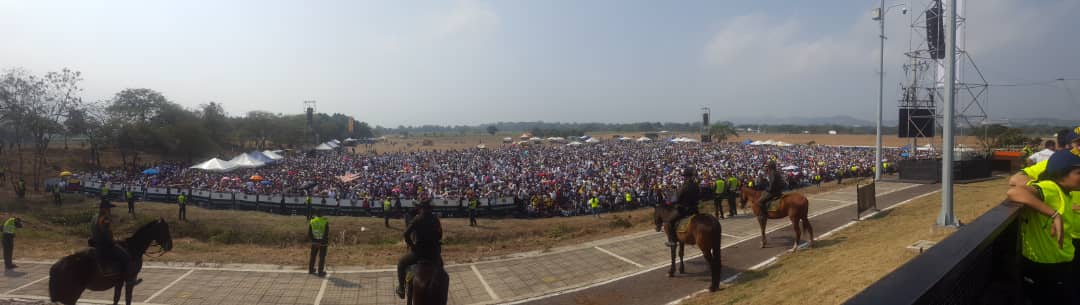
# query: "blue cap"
1062,160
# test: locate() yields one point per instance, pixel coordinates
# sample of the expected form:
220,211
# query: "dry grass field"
838,268
416,143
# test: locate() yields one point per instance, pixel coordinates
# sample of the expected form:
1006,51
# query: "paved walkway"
497,281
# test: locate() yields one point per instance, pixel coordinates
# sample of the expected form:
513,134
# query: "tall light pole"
947,218
879,15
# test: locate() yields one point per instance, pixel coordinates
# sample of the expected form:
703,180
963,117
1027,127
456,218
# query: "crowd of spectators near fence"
545,180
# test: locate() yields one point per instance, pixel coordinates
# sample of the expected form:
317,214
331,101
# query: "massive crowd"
548,179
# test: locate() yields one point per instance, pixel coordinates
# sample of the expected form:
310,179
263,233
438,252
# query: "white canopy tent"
214,165
246,161
272,155
643,139
323,147
575,143
592,140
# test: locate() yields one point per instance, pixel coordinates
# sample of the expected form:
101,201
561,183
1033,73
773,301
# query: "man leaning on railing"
1048,228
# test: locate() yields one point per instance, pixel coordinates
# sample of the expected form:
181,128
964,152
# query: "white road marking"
619,257
491,293
159,292
27,285
322,289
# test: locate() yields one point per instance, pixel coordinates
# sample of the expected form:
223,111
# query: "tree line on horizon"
39,110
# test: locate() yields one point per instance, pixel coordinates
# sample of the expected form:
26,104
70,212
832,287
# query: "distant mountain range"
842,120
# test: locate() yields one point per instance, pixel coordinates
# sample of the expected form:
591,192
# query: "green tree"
720,132
491,129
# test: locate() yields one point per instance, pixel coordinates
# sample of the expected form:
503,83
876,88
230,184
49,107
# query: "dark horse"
792,205
73,274
430,284
703,231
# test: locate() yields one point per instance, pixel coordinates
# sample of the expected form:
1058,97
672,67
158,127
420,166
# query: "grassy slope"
852,259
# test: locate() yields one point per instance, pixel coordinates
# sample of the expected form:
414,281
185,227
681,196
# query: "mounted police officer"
775,187
424,240
111,259
686,203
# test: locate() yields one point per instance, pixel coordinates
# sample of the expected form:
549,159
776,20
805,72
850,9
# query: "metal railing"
978,264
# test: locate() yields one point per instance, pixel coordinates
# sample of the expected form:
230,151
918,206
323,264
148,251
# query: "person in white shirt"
1044,154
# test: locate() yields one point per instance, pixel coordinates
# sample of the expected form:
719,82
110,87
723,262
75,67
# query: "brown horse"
430,284
703,231
73,274
795,206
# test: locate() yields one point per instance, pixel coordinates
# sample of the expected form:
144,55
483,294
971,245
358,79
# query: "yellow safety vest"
181,199
720,186
473,204
629,198
318,228
386,204
9,226
732,183
1036,243
594,203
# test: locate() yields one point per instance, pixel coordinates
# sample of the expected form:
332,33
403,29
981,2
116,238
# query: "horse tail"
804,219
714,263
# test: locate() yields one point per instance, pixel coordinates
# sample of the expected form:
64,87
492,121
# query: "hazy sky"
470,62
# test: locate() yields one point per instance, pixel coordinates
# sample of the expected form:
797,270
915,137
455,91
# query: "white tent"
323,147
335,141
214,165
246,161
272,155
643,139
556,139
625,139
535,139
575,143
592,140
331,144
508,140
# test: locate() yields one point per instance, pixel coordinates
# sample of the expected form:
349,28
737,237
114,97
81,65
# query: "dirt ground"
842,258
416,143
232,236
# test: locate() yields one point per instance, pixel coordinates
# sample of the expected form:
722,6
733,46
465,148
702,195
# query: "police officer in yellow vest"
1048,227
307,206
57,199
20,188
594,206
9,240
130,197
719,190
474,204
732,190
105,190
181,201
386,211
318,233
1032,172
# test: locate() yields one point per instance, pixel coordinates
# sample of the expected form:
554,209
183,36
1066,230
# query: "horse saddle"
683,225
110,264
771,207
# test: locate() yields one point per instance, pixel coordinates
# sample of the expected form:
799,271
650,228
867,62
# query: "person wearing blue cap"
1048,227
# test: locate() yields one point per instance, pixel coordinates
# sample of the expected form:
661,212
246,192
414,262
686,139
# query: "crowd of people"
547,179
